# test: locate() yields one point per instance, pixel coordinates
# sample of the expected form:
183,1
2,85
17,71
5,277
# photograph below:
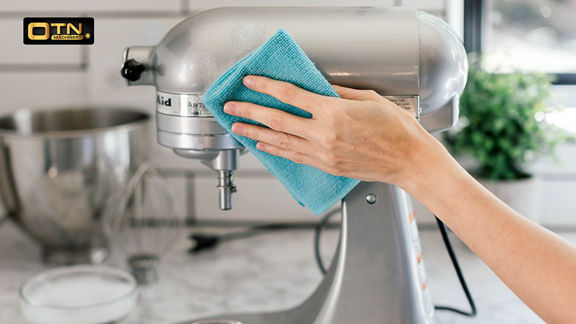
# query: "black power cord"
449,248
448,244
317,234
205,242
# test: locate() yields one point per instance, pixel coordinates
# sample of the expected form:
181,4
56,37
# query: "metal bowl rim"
131,126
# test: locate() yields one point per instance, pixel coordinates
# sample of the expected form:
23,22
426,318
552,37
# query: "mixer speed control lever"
132,70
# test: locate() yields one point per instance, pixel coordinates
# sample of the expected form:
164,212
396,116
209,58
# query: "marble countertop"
267,272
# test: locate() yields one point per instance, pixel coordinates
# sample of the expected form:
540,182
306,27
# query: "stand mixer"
410,57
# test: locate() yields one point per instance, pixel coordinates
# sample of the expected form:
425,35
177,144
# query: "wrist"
421,172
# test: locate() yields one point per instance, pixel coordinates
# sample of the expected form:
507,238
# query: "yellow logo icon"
44,26
87,35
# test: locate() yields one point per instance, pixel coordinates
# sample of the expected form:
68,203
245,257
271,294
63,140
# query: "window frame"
473,24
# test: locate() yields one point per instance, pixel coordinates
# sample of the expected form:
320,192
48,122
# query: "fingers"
278,139
293,148
285,92
354,94
293,156
276,119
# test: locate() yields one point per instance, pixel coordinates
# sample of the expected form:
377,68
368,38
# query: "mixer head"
410,57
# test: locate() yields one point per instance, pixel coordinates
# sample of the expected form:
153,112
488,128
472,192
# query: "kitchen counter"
262,273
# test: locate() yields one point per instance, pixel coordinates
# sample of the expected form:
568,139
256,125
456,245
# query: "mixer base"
376,276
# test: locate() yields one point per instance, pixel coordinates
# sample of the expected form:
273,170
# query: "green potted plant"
503,128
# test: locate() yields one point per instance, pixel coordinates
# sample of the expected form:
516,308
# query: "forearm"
536,264
385,143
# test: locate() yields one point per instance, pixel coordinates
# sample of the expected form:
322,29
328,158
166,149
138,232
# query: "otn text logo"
54,31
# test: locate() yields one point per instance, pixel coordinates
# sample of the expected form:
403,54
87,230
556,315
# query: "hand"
361,135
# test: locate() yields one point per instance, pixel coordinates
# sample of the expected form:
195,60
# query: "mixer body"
412,58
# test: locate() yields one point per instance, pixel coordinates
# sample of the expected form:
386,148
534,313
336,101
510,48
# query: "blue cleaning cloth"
282,59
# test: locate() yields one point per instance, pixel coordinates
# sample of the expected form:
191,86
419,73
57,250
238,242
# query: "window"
529,35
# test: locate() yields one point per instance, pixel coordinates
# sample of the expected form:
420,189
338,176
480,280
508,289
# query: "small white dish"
84,294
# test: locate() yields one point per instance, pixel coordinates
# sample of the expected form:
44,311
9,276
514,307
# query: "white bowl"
84,294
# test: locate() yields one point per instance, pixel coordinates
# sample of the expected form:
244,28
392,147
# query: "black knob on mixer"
132,70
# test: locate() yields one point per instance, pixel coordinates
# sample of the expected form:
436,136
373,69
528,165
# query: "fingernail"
261,146
229,108
249,82
237,129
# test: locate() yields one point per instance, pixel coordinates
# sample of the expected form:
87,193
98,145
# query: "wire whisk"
143,221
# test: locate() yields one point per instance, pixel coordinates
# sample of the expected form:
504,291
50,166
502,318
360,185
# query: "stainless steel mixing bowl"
58,168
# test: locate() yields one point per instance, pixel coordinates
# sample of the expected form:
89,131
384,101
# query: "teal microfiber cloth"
282,59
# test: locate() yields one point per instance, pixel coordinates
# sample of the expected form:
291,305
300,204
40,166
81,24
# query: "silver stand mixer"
408,56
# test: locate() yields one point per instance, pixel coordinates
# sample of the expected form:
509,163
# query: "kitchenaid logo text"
164,102
54,31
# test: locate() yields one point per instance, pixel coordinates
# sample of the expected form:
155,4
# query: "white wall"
54,76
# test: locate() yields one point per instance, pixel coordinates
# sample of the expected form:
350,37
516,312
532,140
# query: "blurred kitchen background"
535,36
